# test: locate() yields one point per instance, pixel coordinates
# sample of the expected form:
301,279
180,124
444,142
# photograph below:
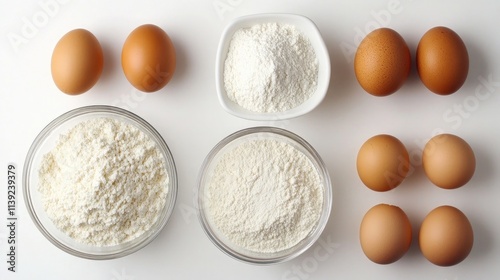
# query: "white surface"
187,113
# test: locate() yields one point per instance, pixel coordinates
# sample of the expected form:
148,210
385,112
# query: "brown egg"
448,161
148,58
442,60
382,163
77,62
382,62
446,236
385,233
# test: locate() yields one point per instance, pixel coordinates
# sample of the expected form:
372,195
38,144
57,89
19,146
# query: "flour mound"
104,183
270,68
265,195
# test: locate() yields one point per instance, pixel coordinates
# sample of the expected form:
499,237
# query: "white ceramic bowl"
47,139
309,29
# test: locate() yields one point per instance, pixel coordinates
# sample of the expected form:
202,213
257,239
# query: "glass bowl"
309,30
46,141
211,161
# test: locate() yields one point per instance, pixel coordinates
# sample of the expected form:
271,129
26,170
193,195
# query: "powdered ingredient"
270,68
265,195
104,183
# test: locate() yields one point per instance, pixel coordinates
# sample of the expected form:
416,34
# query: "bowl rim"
140,124
322,55
323,219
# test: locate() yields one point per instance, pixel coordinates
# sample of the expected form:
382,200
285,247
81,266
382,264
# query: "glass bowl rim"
311,154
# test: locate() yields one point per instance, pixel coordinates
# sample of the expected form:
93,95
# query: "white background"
187,114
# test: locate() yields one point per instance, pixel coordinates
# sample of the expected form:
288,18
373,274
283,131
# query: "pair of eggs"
148,60
383,162
382,62
445,236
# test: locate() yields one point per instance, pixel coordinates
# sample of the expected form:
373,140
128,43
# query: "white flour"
104,183
270,68
265,195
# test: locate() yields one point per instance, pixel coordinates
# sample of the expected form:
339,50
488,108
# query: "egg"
446,236
148,58
382,62
77,62
448,161
385,233
382,162
442,60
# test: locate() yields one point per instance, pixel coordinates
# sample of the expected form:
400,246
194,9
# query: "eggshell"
442,60
446,236
382,62
385,233
382,163
77,62
148,58
448,161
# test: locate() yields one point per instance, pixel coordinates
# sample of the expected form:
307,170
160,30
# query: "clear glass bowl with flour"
99,182
264,195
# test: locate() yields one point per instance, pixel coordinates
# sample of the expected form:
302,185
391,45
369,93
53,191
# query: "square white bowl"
309,30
